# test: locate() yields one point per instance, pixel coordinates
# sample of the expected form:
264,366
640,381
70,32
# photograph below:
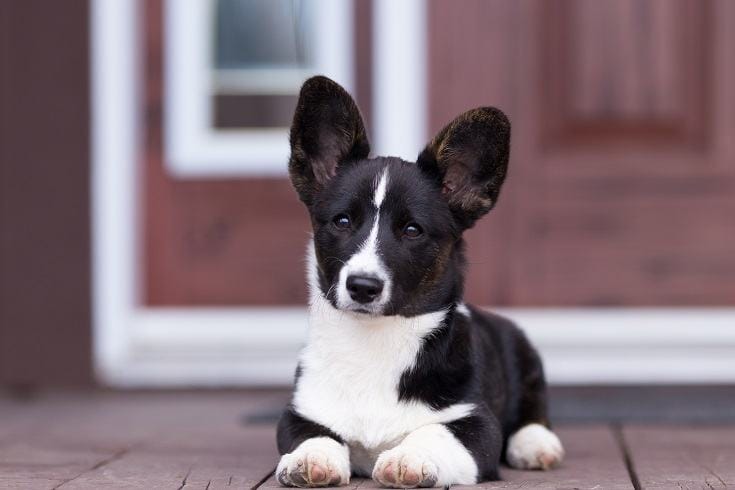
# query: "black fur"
293,429
479,433
481,359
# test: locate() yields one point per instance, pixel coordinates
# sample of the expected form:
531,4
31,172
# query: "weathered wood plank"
593,460
138,470
144,440
199,441
682,457
272,484
355,483
29,483
190,458
45,464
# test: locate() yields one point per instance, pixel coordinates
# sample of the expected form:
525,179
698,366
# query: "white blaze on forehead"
380,189
371,243
366,261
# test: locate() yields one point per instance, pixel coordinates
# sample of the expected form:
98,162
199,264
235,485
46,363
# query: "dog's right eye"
342,221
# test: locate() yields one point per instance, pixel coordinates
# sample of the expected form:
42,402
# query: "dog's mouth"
363,311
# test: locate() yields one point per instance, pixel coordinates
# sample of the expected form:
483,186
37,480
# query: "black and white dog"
399,379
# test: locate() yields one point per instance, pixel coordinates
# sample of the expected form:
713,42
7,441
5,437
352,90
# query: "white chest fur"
351,368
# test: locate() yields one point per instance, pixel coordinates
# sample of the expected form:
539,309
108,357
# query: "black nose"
364,289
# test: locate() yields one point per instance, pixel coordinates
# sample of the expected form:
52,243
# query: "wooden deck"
225,440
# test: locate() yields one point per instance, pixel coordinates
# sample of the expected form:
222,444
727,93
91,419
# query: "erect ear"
327,131
469,158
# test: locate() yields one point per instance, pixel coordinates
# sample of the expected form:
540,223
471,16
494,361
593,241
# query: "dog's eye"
342,221
412,230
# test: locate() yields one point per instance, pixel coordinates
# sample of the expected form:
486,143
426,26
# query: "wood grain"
683,457
627,71
137,441
198,440
473,48
593,460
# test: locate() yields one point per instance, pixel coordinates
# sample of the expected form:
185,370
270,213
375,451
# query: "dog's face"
387,233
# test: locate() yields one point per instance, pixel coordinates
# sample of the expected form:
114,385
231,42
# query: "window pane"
262,34
263,111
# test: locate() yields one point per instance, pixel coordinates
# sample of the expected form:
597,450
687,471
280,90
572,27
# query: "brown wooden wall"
45,334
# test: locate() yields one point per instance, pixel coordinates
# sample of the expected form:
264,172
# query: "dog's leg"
532,445
312,455
435,455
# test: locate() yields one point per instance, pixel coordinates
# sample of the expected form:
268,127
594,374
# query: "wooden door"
621,188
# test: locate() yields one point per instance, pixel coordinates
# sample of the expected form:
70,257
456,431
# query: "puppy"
399,379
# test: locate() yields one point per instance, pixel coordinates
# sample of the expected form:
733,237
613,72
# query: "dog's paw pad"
401,468
534,447
313,467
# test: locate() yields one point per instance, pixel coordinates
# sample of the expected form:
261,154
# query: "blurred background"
150,238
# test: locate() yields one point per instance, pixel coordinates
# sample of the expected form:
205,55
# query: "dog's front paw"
405,468
317,462
534,447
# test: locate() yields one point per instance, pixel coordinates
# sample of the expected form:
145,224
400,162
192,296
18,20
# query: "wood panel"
683,457
628,71
45,331
635,200
637,251
472,48
592,460
144,440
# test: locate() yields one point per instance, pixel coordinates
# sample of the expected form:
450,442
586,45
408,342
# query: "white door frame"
136,345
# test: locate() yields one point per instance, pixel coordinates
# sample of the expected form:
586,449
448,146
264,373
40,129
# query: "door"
621,189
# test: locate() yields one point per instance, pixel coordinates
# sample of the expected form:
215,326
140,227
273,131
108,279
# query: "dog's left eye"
412,230
342,221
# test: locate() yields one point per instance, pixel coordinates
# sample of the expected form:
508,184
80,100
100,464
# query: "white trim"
259,346
115,80
399,78
633,345
138,346
193,147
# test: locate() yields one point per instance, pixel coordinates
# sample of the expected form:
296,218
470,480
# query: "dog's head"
388,233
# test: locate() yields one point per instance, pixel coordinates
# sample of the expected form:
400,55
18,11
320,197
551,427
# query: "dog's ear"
327,131
469,159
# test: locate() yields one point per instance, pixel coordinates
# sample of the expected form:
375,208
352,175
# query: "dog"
400,380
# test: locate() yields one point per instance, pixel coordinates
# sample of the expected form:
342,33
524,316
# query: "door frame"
137,345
